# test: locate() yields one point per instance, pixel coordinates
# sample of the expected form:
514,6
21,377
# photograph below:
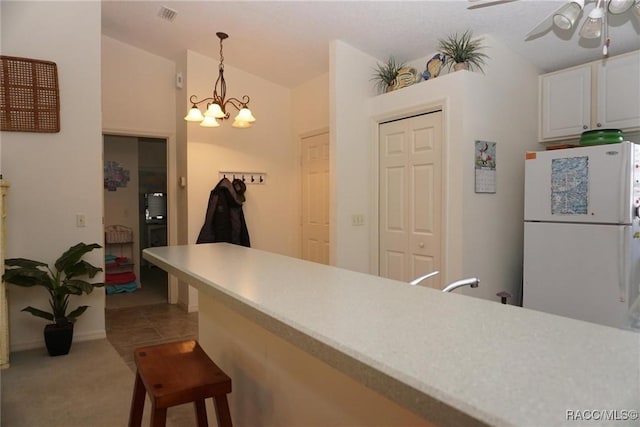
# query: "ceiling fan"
566,16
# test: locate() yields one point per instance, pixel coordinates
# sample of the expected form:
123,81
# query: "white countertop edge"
430,405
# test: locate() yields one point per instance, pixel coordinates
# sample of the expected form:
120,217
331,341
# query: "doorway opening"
135,218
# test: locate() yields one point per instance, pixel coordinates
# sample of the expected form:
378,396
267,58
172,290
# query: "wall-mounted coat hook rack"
246,177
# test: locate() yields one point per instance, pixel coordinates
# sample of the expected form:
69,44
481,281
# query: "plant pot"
460,66
58,338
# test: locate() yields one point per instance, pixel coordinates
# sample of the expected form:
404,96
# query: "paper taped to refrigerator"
569,186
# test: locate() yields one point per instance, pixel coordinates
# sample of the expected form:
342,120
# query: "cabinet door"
565,104
619,92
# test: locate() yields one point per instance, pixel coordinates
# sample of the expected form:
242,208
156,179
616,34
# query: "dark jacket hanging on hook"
224,221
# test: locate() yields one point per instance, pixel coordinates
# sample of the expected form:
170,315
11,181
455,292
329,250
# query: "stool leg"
222,411
158,417
201,413
137,403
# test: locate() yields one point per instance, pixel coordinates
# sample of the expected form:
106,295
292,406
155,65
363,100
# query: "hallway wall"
54,176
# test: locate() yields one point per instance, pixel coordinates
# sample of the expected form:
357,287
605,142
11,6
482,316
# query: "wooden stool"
177,373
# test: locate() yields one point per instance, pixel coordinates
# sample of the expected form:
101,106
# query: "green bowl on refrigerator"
601,136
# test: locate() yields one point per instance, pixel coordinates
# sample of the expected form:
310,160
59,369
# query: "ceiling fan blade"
543,25
487,3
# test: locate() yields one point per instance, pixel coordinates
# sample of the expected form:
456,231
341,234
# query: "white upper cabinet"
565,102
602,94
619,92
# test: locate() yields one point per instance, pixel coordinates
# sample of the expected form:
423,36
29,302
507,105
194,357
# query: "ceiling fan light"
592,27
636,9
619,6
566,16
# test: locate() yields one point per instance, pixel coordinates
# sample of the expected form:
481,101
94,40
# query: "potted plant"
463,52
385,74
60,282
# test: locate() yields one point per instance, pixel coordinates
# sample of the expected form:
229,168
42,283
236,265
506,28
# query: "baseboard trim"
77,337
188,308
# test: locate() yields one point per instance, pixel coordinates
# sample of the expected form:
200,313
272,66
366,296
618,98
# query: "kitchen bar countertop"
447,357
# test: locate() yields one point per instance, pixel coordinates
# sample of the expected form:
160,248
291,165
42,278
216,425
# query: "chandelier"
217,104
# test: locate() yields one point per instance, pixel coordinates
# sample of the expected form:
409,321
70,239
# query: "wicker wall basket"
29,97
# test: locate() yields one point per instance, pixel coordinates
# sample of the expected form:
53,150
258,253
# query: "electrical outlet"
81,220
357,219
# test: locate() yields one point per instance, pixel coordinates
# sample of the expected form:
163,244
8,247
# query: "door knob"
421,244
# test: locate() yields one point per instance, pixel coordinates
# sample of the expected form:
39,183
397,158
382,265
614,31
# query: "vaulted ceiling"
287,42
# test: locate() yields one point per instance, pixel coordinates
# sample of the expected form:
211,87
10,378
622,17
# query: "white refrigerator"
582,234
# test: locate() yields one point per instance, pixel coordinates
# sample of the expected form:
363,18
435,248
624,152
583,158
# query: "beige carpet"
91,386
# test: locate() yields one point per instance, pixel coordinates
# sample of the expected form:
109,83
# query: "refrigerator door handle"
625,201
624,249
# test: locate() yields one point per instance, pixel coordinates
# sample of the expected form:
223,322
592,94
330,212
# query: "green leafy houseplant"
463,49
385,74
60,282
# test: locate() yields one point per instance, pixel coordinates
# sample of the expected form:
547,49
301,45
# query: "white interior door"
315,198
410,199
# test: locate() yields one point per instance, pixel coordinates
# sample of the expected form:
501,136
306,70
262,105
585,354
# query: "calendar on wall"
485,166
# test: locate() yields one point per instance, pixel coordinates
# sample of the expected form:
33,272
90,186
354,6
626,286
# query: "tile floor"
132,327
152,291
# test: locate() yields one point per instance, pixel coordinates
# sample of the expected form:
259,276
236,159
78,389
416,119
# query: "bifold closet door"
410,199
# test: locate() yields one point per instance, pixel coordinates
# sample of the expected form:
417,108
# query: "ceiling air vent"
167,13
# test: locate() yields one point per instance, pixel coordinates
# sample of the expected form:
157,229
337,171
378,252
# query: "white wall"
55,175
138,90
349,159
483,231
310,105
507,97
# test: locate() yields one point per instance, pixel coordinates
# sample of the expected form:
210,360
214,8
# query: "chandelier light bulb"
214,111
566,16
244,115
194,115
592,27
240,124
209,122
